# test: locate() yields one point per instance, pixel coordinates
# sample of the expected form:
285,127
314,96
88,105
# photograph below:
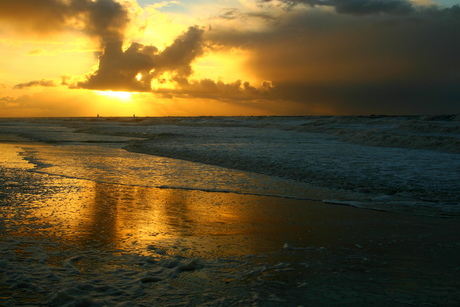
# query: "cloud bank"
366,57
329,56
355,7
134,69
102,19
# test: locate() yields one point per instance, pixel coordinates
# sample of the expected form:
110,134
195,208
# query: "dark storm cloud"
44,83
364,7
103,19
358,7
353,63
183,51
106,19
118,69
36,15
133,69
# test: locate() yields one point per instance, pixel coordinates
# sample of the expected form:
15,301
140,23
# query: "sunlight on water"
81,222
10,157
110,198
110,216
113,165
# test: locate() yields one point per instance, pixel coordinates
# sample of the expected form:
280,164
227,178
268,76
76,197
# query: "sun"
122,96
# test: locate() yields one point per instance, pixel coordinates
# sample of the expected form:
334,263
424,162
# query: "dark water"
85,222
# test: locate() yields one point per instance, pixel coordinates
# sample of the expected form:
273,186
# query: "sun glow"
122,96
227,65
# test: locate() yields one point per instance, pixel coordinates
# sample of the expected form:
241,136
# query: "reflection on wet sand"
310,248
116,216
219,224
90,213
121,215
78,218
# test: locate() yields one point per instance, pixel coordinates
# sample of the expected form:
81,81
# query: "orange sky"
246,57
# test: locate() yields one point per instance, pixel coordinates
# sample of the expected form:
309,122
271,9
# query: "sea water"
130,166
403,164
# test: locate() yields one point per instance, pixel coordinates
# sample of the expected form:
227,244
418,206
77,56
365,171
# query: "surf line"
178,187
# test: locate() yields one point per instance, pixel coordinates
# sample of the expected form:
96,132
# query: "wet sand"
60,235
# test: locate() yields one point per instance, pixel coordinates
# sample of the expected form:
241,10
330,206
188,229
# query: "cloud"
37,16
181,53
233,13
355,63
133,69
103,19
106,19
118,69
364,7
219,90
35,52
343,56
356,7
44,83
38,104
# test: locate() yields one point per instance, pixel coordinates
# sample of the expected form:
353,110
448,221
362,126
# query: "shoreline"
226,161
320,194
294,251
69,240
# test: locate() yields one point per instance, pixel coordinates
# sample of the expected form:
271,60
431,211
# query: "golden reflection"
10,156
95,214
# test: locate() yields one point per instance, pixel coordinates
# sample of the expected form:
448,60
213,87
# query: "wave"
401,132
385,203
394,139
440,132
363,157
178,187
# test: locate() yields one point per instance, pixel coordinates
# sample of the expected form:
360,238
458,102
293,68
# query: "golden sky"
228,57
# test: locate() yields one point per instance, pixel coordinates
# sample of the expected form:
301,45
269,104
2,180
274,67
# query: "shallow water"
110,196
398,164
85,222
73,241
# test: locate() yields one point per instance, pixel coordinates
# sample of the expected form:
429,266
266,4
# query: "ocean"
161,200
401,164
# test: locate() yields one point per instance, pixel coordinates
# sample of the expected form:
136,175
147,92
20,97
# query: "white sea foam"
391,163
91,277
287,157
405,170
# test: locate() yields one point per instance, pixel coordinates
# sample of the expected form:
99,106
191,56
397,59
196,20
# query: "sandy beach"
68,241
86,223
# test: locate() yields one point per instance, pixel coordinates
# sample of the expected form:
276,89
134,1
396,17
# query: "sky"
229,57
